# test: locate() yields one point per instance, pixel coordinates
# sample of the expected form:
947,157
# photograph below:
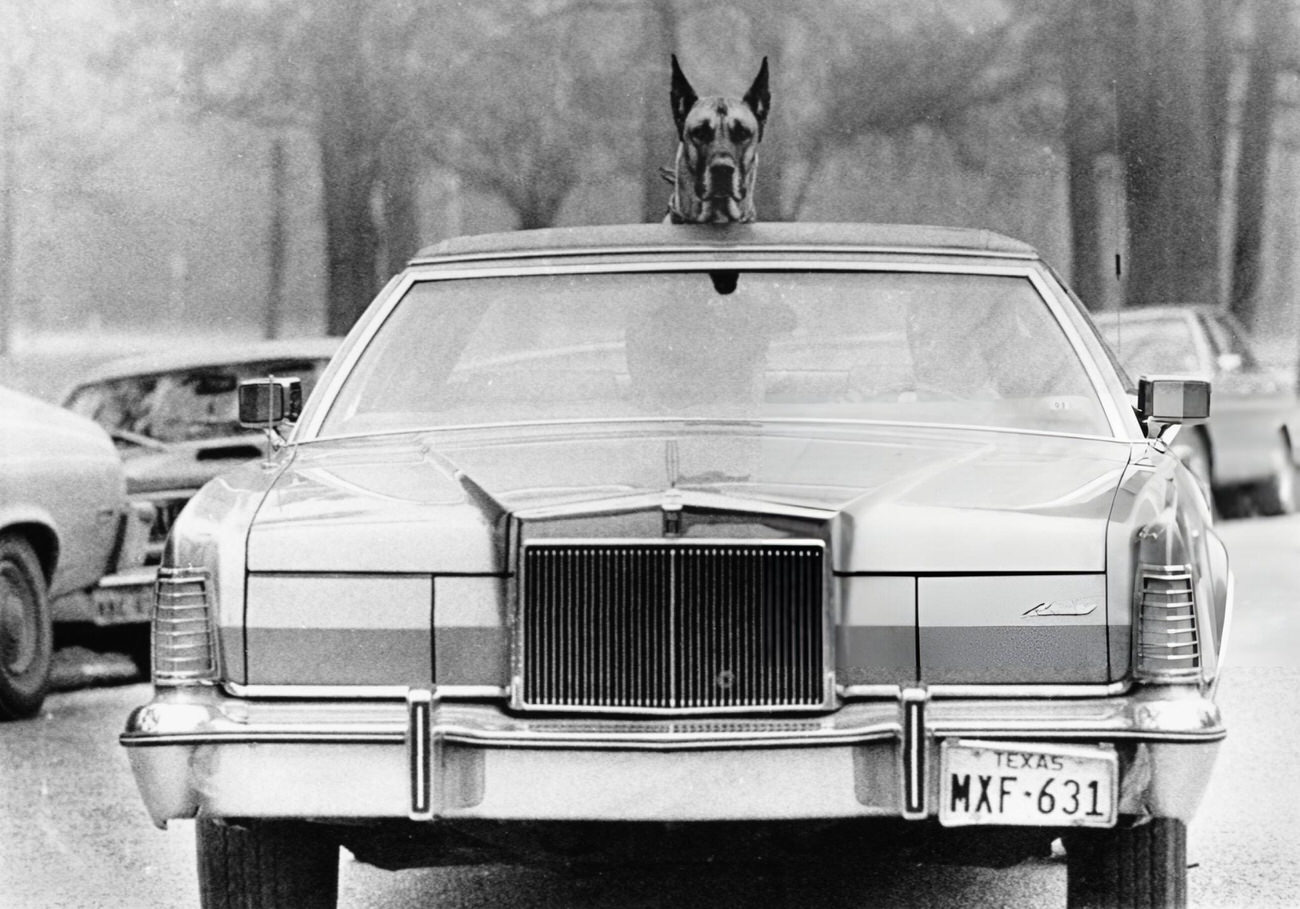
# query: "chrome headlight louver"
184,641
1167,637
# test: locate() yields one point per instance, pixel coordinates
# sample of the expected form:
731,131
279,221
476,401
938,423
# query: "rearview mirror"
267,402
1165,401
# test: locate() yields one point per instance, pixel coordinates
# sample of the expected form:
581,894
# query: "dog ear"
759,98
683,97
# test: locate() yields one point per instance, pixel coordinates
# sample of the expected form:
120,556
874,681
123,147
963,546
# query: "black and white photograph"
623,454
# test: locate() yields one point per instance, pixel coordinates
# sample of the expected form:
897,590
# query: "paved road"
73,834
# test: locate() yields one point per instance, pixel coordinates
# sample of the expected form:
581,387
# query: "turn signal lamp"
184,644
1168,646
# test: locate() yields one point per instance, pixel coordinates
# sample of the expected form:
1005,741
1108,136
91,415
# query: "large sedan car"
64,522
174,419
1248,454
820,542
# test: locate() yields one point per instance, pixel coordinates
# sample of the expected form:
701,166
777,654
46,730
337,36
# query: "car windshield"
1156,346
981,350
183,405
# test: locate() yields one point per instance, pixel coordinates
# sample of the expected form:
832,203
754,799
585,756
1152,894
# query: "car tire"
266,865
26,631
1277,494
1142,867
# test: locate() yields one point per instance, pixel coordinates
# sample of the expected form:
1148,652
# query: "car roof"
200,355
762,236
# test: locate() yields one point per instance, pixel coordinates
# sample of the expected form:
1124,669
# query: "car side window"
1228,338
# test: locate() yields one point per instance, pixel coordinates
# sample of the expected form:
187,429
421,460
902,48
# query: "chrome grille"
1168,643
672,626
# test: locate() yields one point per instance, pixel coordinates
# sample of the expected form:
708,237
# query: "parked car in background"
655,542
65,522
173,418
1248,452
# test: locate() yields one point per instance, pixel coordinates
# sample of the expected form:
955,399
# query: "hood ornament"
671,503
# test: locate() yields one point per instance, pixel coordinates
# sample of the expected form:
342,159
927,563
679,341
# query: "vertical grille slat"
673,626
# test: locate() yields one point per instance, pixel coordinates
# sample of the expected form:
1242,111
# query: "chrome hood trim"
898,499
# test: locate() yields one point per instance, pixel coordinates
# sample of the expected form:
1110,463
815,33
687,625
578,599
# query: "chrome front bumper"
200,751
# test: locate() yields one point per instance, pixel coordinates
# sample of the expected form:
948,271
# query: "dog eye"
740,132
702,133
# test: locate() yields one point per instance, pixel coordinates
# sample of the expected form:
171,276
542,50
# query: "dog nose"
723,172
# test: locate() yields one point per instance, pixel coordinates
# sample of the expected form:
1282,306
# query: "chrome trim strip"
358,692
1030,691
317,692
913,752
659,743
939,692
261,737
704,421
845,692
686,498
363,332
1146,716
714,248
420,743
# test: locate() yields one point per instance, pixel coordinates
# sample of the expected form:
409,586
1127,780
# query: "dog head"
717,150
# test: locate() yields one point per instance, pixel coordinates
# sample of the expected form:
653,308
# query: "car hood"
39,430
900,499
186,465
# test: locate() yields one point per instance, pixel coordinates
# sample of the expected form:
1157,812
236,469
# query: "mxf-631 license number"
1027,784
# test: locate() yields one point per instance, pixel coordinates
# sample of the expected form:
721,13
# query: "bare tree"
316,67
8,196
1088,132
1170,152
532,105
889,69
1272,34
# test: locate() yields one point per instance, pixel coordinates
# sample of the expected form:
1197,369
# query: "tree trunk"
1219,52
400,180
275,241
1168,153
770,31
347,171
1088,134
658,137
1252,164
8,207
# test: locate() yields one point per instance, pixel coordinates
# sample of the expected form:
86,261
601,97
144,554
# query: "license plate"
124,604
1027,785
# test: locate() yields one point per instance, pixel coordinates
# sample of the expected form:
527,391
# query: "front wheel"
267,865
26,633
1142,867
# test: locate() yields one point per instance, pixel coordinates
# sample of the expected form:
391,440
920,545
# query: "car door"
1254,412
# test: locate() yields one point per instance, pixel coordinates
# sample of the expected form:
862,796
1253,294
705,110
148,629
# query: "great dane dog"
717,152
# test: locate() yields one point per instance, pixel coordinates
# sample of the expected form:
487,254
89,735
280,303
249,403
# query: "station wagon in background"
65,521
773,542
1248,453
174,419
